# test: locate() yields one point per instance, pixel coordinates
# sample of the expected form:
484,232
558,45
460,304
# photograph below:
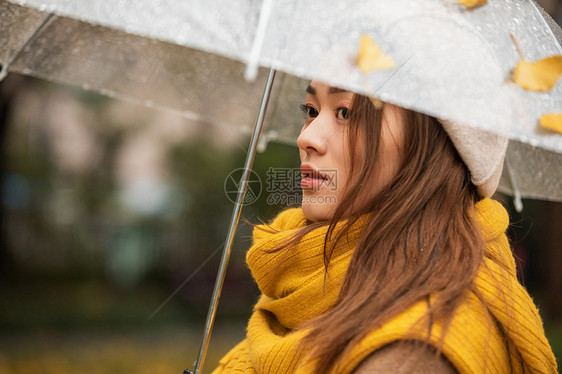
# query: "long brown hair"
421,239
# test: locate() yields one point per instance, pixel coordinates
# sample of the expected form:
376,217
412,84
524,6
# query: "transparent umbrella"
449,61
149,67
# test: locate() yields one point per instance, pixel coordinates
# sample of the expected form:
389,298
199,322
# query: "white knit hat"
483,153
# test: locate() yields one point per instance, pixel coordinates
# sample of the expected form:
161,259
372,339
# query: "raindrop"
149,103
191,115
85,86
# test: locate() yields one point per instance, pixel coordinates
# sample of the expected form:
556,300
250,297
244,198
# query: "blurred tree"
536,238
9,89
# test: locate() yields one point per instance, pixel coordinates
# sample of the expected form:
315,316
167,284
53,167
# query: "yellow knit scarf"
295,290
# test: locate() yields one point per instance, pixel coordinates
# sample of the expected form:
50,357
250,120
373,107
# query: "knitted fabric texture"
295,290
483,153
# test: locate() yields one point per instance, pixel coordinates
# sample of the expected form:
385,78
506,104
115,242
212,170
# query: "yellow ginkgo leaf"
371,57
552,121
539,75
377,103
472,3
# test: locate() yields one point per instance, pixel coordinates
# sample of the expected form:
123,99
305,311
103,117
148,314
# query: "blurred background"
112,218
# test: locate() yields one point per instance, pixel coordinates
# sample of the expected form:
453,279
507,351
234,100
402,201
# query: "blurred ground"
72,324
87,328
166,350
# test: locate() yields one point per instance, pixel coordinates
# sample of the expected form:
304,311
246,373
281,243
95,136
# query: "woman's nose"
311,138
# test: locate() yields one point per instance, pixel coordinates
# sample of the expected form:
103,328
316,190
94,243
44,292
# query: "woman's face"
325,152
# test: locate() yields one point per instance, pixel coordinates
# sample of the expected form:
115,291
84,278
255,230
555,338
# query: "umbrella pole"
243,186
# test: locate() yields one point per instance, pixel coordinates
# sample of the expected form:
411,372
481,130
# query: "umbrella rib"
394,73
517,202
377,90
252,66
157,310
5,67
192,97
546,25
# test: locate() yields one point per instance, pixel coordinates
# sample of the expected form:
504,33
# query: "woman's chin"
317,212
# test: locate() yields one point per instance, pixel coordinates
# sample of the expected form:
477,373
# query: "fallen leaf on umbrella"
472,3
468,3
371,56
552,121
377,103
539,75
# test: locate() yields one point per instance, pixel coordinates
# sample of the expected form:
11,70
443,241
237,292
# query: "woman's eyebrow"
332,90
335,90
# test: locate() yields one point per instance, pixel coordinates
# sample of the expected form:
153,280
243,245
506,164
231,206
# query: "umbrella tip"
251,72
518,203
3,72
265,138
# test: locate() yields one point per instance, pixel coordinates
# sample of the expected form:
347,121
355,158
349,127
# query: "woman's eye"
343,113
309,111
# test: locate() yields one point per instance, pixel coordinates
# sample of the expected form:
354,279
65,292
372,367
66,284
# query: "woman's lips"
310,183
311,178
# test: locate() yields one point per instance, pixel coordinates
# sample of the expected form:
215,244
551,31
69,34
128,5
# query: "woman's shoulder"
406,357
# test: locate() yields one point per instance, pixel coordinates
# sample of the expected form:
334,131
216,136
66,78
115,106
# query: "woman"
397,260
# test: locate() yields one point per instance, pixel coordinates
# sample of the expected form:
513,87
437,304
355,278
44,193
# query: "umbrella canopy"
137,63
450,61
